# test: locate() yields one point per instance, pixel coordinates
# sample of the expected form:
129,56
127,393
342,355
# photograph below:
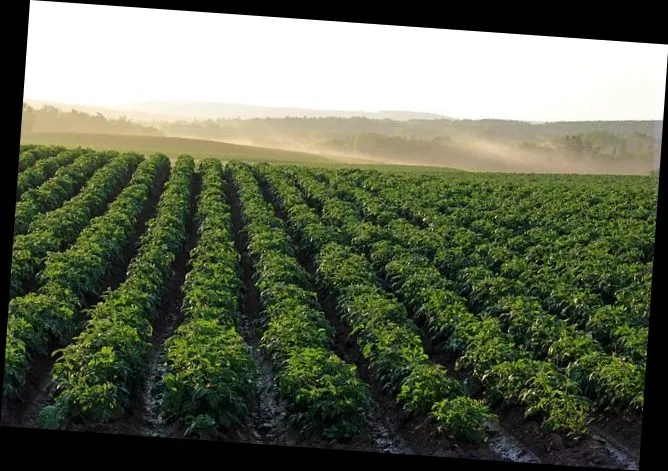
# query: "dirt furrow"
148,403
268,423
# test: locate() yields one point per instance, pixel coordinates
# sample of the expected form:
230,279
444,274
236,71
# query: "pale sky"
107,55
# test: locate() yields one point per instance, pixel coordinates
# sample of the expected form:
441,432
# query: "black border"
75,445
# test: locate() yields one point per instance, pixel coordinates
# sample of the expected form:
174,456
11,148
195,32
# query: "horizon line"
437,116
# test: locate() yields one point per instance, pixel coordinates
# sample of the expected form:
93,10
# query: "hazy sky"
105,55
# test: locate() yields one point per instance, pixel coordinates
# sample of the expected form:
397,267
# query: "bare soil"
622,430
268,422
23,412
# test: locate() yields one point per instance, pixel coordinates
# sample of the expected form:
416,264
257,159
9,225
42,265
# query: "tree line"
50,119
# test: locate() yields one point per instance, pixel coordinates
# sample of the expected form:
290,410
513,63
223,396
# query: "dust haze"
294,145
470,154
485,155
622,147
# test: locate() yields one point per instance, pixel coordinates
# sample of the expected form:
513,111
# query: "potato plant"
535,287
54,230
96,373
387,338
39,320
44,169
211,375
29,155
324,392
66,182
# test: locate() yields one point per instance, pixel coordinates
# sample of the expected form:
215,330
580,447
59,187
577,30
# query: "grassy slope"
200,148
171,146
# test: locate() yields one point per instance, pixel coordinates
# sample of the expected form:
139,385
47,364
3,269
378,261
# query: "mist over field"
407,138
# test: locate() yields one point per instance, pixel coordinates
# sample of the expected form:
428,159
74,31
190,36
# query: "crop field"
472,315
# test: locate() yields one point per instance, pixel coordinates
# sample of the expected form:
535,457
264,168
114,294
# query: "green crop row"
66,182
479,341
608,380
388,340
324,391
614,326
30,155
595,235
211,375
45,169
46,317
96,373
54,230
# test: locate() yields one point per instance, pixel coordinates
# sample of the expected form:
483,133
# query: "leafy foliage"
66,182
41,318
31,154
96,373
211,375
53,230
378,321
537,285
44,169
324,392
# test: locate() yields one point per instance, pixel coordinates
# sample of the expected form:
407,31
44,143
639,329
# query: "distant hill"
176,111
108,112
174,146
51,119
203,110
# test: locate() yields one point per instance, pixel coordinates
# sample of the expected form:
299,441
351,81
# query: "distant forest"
50,119
611,140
